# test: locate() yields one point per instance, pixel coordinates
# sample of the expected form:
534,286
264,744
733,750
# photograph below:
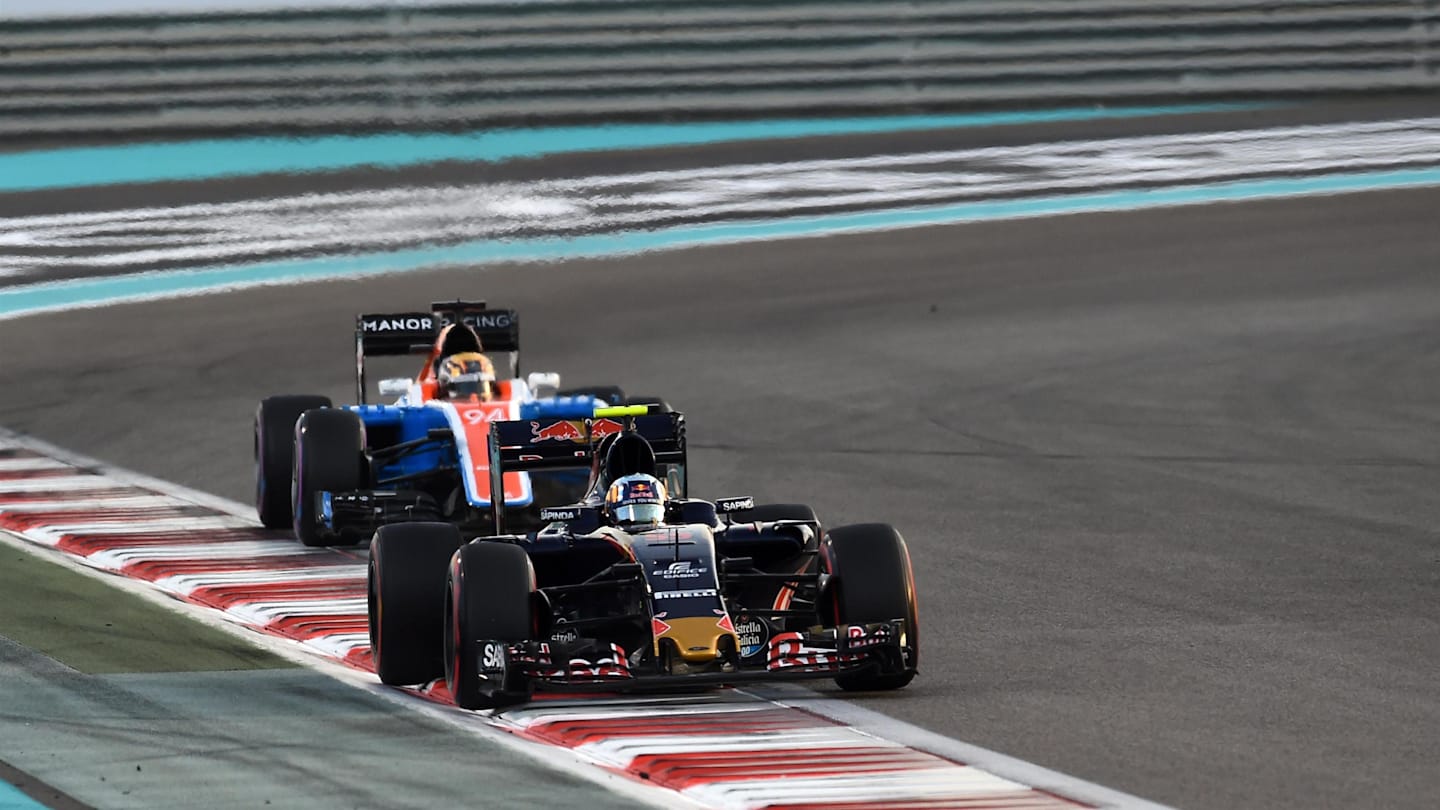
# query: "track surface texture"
1169,478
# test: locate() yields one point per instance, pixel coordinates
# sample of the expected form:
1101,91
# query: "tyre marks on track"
51,247
722,749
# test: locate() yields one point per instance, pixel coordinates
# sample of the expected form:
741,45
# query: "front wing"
856,648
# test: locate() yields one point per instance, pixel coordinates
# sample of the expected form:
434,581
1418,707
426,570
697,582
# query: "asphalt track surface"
1169,477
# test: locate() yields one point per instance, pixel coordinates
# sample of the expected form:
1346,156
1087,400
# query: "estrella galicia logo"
753,634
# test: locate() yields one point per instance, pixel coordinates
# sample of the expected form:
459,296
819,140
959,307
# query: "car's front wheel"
406,600
329,457
872,581
275,454
488,605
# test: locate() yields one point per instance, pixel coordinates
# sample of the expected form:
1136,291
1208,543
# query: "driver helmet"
636,501
466,374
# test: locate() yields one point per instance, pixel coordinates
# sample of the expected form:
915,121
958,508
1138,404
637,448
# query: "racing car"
336,474
705,593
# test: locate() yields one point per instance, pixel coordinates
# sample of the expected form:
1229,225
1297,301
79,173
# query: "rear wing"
566,438
397,333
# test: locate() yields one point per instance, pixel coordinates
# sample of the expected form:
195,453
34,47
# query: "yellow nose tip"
698,638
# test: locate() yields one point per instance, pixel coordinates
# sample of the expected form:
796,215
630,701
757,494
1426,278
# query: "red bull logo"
567,431
573,430
600,428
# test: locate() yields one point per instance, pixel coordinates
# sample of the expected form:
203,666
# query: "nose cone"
698,639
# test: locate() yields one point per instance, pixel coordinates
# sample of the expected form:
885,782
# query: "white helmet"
636,500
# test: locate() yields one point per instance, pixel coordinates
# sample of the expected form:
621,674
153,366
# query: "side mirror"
543,383
395,386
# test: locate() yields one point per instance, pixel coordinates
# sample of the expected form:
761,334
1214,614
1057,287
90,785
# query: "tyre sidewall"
406,600
489,598
871,581
329,457
275,419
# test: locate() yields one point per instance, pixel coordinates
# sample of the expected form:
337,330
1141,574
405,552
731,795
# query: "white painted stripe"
952,782
66,483
189,583
30,464
50,535
340,645
622,750
92,505
532,716
214,552
263,613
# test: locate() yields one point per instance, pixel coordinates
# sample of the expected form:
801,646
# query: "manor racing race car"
699,592
336,474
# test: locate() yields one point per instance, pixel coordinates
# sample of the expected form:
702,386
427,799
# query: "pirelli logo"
695,594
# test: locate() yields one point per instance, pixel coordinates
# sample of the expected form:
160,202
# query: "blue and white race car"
337,474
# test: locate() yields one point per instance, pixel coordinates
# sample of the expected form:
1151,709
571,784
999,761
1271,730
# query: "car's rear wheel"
275,454
872,581
406,600
488,601
329,457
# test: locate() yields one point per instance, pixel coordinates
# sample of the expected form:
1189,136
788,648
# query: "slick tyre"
275,454
329,457
406,600
613,394
872,581
766,512
487,599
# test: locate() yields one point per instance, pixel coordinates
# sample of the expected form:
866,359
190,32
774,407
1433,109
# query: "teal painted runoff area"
88,292
207,159
12,799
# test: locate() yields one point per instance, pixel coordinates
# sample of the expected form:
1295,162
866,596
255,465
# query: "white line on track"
389,219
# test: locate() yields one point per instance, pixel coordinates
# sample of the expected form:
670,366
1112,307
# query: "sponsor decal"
551,514
753,634
724,624
725,505
658,627
564,635
695,594
492,657
402,324
562,431
573,430
683,569
497,319
600,428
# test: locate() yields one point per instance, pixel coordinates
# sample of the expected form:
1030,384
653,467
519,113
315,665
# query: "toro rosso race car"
336,474
635,586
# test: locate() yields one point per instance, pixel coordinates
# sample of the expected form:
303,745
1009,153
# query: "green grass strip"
89,626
